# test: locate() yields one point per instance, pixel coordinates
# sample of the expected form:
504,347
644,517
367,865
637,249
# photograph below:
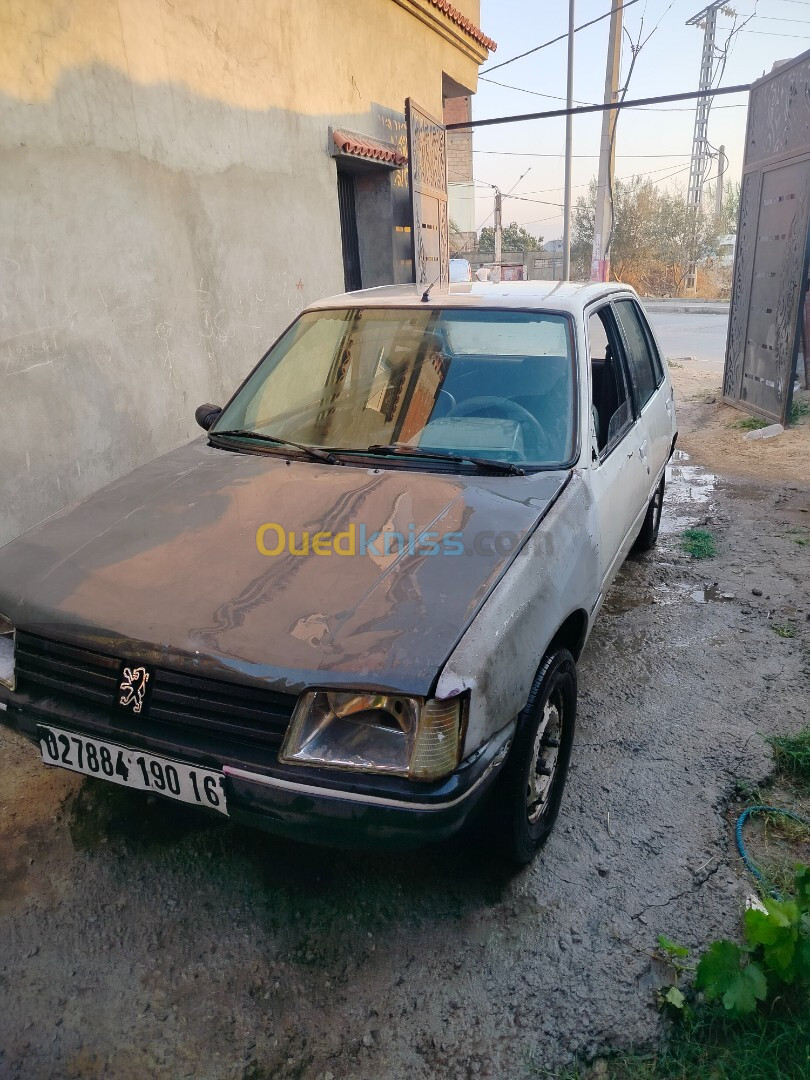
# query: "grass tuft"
711,1047
749,423
699,543
792,754
785,630
799,410
798,536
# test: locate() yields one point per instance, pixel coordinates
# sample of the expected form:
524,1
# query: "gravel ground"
142,939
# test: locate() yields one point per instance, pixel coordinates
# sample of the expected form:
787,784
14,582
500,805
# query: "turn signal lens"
438,740
387,733
7,652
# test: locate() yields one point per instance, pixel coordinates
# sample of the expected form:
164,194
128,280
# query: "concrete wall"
168,204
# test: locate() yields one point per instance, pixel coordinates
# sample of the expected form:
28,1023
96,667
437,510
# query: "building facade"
179,180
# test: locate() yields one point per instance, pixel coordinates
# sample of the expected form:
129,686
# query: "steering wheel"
478,406
448,401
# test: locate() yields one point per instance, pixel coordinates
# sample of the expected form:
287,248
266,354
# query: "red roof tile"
363,146
454,15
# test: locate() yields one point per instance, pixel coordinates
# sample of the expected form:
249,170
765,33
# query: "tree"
654,235
731,205
513,238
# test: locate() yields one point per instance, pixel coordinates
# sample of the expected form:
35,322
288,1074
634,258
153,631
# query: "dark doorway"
348,231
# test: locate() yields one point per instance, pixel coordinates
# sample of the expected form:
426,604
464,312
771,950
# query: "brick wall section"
459,143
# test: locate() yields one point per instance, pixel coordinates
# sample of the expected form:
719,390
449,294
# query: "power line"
630,176
559,97
772,33
528,153
466,125
553,41
779,18
547,191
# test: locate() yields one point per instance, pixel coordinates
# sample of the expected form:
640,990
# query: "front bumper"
321,806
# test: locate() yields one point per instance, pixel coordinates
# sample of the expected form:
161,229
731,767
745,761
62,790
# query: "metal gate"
771,260
427,174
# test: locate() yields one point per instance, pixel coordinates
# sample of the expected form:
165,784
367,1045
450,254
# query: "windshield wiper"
400,450
311,451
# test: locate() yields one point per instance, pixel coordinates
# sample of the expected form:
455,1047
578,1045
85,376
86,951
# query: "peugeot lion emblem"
132,688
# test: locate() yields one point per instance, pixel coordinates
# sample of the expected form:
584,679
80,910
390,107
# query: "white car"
352,611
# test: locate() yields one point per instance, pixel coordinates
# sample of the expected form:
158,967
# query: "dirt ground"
711,435
140,939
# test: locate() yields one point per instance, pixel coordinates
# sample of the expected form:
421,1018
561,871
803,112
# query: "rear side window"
639,351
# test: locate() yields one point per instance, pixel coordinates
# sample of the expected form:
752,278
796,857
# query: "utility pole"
603,223
707,18
498,233
721,176
568,148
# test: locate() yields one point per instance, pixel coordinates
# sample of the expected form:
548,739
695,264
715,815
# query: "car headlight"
6,652
387,733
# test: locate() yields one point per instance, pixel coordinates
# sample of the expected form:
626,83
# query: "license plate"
133,768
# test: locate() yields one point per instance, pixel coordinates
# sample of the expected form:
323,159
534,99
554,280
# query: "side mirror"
207,415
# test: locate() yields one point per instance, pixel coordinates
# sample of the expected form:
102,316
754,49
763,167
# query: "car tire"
526,799
648,537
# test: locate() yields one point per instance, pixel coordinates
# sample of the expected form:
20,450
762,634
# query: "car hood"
163,567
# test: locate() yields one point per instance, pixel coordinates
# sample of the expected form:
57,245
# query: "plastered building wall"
168,205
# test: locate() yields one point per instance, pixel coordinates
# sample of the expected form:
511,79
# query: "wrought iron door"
771,259
427,174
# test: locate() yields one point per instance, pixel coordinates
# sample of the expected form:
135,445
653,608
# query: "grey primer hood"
163,567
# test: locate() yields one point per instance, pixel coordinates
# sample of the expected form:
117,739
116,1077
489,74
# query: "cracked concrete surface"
143,940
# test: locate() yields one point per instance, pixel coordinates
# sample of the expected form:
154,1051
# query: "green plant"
798,536
792,753
749,423
699,543
707,1045
799,410
785,630
776,955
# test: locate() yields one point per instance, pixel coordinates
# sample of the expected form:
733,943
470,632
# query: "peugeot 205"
352,610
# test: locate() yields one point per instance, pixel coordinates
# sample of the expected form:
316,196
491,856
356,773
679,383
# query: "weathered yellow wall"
168,204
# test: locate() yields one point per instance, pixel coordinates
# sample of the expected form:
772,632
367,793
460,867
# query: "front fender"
556,573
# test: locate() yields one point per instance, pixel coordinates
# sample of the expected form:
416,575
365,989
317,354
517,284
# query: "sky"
655,142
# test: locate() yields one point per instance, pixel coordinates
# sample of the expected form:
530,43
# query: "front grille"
178,701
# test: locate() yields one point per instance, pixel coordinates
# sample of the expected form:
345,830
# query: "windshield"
493,383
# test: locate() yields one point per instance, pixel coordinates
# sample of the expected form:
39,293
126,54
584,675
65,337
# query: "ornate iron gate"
771,260
427,173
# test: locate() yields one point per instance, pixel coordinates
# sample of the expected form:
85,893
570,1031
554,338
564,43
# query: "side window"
610,405
639,351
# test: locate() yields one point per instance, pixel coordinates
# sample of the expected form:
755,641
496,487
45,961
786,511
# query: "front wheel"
527,797
648,537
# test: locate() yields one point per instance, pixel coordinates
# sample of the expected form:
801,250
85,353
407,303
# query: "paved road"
703,337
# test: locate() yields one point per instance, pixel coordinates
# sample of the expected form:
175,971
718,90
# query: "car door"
618,472
651,390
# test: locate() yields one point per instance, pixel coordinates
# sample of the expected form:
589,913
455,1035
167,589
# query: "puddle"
688,487
711,594
627,595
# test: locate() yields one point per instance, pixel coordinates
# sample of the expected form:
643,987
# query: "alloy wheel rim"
545,758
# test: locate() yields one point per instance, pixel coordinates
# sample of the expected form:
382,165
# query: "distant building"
725,250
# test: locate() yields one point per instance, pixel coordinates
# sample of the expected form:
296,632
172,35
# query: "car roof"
563,296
